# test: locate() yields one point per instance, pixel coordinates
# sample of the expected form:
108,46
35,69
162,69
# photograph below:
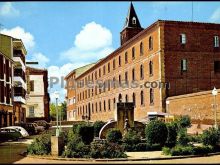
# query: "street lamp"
167,103
60,115
56,94
214,93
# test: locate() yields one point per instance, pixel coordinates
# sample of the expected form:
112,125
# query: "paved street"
203,160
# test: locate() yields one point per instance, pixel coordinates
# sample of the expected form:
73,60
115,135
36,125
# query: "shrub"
76,148
166,150
86,131
210,137
156,132
195,138
97,127
187,150
107,150
132,137
114,136
172,135
40,146
183,138
184,121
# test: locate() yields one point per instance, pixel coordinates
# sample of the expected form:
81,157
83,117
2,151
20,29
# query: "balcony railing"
18,53
19,72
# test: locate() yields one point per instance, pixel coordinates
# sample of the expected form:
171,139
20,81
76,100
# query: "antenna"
192,11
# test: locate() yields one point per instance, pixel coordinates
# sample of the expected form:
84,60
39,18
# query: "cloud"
8,10
19,32
58,73
92,43
41,59
92,37
215,15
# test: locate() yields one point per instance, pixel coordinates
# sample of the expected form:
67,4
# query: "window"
151,68
104,106
120,98
31,111
119,79
114,103
109,104
133,74
100,106
114,64
126,98
217,66
32,85
142,98
108,67
183,38
92,108
134,99
133,53
104,70
216,41
141,72
99,72
141,49
119,61
114,82
96,75
151,96
96,107
183,65
150,43
126,57
133,20
126,76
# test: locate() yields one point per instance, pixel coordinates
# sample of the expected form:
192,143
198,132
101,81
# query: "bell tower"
131,27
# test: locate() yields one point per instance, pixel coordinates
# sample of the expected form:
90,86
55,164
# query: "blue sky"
66,35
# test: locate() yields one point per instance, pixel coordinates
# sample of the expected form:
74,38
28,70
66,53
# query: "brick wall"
199,106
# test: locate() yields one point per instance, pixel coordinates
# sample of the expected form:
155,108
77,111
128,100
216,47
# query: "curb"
122,159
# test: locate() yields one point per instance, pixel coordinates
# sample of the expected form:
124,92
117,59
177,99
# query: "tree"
156,132
61,108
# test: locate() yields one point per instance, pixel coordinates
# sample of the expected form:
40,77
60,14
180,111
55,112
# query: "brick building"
71,92
38,100
12,80
185,55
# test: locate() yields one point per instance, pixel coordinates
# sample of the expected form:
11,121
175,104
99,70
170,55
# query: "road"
201,160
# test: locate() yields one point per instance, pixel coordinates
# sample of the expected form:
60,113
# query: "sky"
62,36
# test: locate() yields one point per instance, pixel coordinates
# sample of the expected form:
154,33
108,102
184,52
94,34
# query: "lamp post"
60,117
167,103
214,93
56,94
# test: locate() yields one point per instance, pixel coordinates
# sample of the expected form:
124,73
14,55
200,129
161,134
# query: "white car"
23,132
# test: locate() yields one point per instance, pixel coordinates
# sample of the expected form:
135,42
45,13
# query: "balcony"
19,82
19,63
19,73
19,94
18,53
19,99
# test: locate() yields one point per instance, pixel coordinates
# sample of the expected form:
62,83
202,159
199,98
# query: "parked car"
9,134
43,123
29,127
38,128
23,132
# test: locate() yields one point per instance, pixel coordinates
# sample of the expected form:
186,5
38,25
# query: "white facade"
35,100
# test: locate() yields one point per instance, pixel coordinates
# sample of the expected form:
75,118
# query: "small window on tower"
216,41
183,65
183,38
134,20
